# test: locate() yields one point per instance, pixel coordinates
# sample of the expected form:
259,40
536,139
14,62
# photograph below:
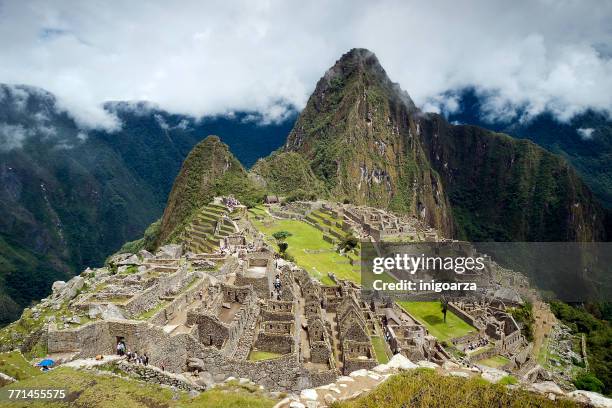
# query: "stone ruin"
209,313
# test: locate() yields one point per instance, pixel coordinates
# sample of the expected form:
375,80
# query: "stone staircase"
204,233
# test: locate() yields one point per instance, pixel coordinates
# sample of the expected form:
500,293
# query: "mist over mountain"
585,140
69,198
367,142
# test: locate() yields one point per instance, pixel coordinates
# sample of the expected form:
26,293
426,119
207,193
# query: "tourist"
145,359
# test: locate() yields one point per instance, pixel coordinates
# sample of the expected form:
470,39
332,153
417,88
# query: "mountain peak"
210,169
357,60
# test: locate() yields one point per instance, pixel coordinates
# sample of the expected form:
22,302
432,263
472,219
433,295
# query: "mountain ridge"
368,143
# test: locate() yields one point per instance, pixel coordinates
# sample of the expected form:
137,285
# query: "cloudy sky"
210,57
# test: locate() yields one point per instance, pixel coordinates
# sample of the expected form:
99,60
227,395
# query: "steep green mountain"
364,138
585,140
286,172
506,189
209,170
69,198
359,133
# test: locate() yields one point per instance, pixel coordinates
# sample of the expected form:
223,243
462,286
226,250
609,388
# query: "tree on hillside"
280,237
444,307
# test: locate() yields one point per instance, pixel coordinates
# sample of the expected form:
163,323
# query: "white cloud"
12,136
206,58
585,133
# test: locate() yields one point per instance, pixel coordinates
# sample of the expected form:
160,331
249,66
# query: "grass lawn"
262,355
87,389
379,349
495,361
15,365
307,246
430,315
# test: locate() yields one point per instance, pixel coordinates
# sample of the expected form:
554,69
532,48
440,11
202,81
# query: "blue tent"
46,363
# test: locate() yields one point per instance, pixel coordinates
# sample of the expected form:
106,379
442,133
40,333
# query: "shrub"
348,243
508,380
588,382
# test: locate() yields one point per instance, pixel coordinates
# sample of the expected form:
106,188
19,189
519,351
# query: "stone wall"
162,317
149,298
353,364
279,374
320,352
155,375
491,352
275,343
261,285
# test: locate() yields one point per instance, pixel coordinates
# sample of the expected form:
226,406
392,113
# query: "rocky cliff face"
359,134
366,140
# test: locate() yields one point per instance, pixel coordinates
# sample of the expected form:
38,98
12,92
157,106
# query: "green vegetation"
146,242
508,380
151,312
30,324
424,388
495,361
288,174
379,349
262,355
348,243
87,389
588,381
209,170
307,247
598,340
430,315
524,316
14,364
281,240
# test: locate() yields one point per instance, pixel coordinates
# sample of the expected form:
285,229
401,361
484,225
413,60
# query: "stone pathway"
91,362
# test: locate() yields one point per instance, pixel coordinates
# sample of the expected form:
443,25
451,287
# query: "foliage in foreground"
424,389
86,389
599,342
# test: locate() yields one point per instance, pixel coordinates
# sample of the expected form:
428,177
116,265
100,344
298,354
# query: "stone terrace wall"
280,374
150,297
154,374
181,301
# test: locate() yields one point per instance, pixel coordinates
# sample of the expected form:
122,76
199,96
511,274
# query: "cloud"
207,58
12,136
585,133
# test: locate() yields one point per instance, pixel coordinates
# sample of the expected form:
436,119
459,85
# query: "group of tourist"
132,356
477,344
231,203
